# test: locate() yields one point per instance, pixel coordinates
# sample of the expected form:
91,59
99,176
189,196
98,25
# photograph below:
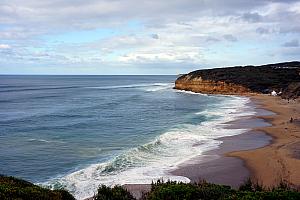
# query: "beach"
269,153
278,161
232,164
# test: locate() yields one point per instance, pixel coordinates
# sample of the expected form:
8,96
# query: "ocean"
77,132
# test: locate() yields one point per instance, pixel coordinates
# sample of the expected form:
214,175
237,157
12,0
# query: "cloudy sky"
144,37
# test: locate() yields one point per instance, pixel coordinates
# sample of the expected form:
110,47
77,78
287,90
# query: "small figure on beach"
291,120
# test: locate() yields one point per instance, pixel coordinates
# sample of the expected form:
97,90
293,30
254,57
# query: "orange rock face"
209,87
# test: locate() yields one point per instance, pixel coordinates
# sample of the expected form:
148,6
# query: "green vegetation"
261,79
12,189
115,193
179,191
205,191
15,189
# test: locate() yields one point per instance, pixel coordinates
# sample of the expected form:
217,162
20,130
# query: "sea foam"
155,159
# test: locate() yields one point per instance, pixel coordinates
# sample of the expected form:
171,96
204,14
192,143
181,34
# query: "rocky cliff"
242,79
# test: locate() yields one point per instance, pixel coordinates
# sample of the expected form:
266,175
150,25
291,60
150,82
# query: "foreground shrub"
250,186
115,193
178,191
207,191
13,188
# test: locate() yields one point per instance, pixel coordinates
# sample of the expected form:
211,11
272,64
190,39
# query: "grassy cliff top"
261,79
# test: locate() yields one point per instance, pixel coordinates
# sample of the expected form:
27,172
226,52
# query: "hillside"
281,77
12,188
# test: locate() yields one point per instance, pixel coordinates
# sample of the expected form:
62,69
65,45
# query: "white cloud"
4,46
292,43
178,31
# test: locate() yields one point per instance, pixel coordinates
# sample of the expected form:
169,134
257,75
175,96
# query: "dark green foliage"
65,195
173,190
250,190
265,195
204,190
15,189
115,193
12,188
246,186
181,191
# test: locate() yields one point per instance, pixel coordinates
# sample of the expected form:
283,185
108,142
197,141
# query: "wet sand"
214,166
268,153
278,161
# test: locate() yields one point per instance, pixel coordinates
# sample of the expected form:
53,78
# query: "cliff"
281,77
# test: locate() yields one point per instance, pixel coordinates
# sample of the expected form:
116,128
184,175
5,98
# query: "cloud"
262,30
155,36
252,17
4,46
141,33
292,43
212,39
230,38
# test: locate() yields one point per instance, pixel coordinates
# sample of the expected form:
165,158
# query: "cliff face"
241,80
209,86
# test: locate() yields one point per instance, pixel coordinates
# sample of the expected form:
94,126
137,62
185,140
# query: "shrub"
13,188
179,191
115,193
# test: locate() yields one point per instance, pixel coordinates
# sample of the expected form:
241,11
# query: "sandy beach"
217,166
278,161
268,153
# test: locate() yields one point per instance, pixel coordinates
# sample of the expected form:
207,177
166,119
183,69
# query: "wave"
190,92
43,141
40,88
154,160
38,140
150,87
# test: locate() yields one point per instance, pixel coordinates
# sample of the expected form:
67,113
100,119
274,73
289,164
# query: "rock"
241,80
292,91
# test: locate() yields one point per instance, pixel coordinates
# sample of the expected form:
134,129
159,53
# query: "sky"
145,37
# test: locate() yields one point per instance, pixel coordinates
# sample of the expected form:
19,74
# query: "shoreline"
250,154
280,160
216,165
269,164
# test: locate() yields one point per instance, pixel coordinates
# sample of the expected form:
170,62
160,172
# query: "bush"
13,188
178,191
115,193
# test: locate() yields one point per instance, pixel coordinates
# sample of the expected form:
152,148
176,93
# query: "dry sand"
279,161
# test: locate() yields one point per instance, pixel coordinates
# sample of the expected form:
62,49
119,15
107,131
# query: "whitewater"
78,132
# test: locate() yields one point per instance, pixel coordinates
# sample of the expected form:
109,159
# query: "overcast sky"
144,37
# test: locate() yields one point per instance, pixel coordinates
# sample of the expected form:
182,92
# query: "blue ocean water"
77,132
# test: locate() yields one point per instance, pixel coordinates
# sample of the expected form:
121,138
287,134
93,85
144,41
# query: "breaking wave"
155,159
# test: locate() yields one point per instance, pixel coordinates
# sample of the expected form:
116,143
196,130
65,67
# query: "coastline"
217,166
262,153
268,164
280,160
